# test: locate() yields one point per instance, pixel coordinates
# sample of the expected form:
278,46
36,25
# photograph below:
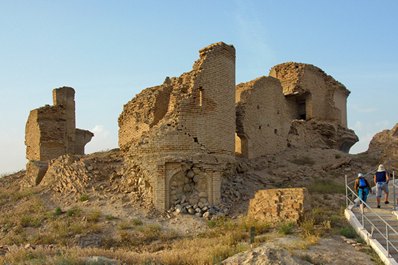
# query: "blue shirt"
381,176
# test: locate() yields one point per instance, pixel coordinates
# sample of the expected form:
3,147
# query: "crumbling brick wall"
189,120
51,132
279,205
325,98
262,118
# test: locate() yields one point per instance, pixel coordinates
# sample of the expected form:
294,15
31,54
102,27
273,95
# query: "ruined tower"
51,132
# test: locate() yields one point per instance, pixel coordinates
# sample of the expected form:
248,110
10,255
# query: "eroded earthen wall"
193,112
324,97
45,133
50,132
279,205
263,118
182,120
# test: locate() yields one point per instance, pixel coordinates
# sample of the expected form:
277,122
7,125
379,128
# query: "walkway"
376,226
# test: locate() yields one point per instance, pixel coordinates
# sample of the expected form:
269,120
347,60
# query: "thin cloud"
362,109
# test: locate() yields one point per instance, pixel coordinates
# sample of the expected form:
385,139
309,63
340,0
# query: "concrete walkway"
371,226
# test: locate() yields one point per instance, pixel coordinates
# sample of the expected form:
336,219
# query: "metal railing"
352,199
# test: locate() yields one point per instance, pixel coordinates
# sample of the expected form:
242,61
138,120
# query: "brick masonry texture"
279,205
51,132
178,140
184,134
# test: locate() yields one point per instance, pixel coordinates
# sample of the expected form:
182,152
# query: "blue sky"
111,50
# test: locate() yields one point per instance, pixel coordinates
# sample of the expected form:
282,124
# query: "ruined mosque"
182,137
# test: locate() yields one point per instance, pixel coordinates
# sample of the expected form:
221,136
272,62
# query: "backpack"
362,183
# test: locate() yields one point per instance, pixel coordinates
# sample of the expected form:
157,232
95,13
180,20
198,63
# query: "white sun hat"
381,168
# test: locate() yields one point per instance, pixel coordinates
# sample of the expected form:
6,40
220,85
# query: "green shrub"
84,197
286,228
57,211
136,222
74,211
348,232
260,226
31,220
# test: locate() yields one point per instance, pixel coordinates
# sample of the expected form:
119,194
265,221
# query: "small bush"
93,216
151,231
84,197
136,222
30,221
221,223
286,228
74,211
308,228
348,232
125,225
260,226
57,211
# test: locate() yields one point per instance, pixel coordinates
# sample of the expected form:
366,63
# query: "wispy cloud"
103,139
363,109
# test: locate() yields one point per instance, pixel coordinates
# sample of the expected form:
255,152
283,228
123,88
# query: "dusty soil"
116,207
292,250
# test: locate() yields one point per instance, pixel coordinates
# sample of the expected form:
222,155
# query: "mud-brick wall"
279,205
263,121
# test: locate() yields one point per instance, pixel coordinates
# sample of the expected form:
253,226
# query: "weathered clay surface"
279,205
196,122
181,134
262,118
320,134
51,132
298,106
313,93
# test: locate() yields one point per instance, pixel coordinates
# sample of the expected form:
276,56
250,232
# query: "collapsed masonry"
181,137
51,132
298,105
279,205
181,134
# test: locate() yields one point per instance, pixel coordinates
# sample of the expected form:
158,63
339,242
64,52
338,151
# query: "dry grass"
326,187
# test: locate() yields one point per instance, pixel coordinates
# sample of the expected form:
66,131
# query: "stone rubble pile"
199,210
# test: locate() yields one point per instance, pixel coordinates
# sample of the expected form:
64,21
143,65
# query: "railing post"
387,239
393,186
363,219
346,191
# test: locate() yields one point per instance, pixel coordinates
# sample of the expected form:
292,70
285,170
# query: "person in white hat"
381,179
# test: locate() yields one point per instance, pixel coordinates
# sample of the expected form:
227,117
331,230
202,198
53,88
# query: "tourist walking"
362,188
381,179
